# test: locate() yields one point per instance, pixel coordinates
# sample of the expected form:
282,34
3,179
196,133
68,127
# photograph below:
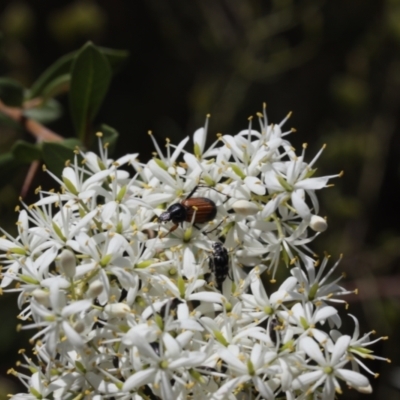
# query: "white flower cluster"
153,286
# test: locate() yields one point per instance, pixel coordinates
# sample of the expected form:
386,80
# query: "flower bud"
318,224
245,208
42,297
117,310
68,263
79,326
95,289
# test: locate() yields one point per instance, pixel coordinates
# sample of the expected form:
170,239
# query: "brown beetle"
205,209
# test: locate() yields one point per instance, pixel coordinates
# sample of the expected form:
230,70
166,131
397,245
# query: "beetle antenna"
209,187
192,192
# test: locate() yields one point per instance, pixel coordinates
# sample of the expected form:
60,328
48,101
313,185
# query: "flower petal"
312,349
138,379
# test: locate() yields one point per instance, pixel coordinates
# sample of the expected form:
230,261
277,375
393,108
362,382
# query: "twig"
33,127
29,177
40,132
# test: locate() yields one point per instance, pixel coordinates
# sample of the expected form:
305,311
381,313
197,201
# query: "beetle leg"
171,230
197,227
212,230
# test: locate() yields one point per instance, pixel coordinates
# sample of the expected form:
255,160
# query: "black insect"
219,263
205,210
149,393
115,361
272,329
156,347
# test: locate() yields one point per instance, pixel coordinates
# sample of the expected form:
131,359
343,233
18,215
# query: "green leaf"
26,152
56,86
46,112
110,136
5,159
62,66
11,92
6,121
90,79
7,162
55,154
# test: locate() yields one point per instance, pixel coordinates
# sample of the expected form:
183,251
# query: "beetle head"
217,246
165,216
175,213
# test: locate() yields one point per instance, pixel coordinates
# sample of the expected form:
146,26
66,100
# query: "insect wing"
206,209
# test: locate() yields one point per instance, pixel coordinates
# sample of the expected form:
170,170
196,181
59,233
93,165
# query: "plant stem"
35,128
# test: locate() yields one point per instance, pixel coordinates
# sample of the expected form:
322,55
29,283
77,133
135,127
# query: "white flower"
314,286
169,160
305,319
292,179
252,367
358,347
56,322
165,361
329,369
258,306
36,387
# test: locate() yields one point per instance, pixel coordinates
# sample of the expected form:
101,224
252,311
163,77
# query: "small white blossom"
328,370
68,263
245,207
318,224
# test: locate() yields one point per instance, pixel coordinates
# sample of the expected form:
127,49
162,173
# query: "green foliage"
62,68
90,79
55,154
86,74
46,112
7,122
25,152
11,92
57,86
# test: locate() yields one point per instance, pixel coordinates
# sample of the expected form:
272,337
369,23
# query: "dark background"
335,64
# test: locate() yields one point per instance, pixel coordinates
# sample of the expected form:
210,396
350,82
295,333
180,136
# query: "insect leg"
171,230
213,229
